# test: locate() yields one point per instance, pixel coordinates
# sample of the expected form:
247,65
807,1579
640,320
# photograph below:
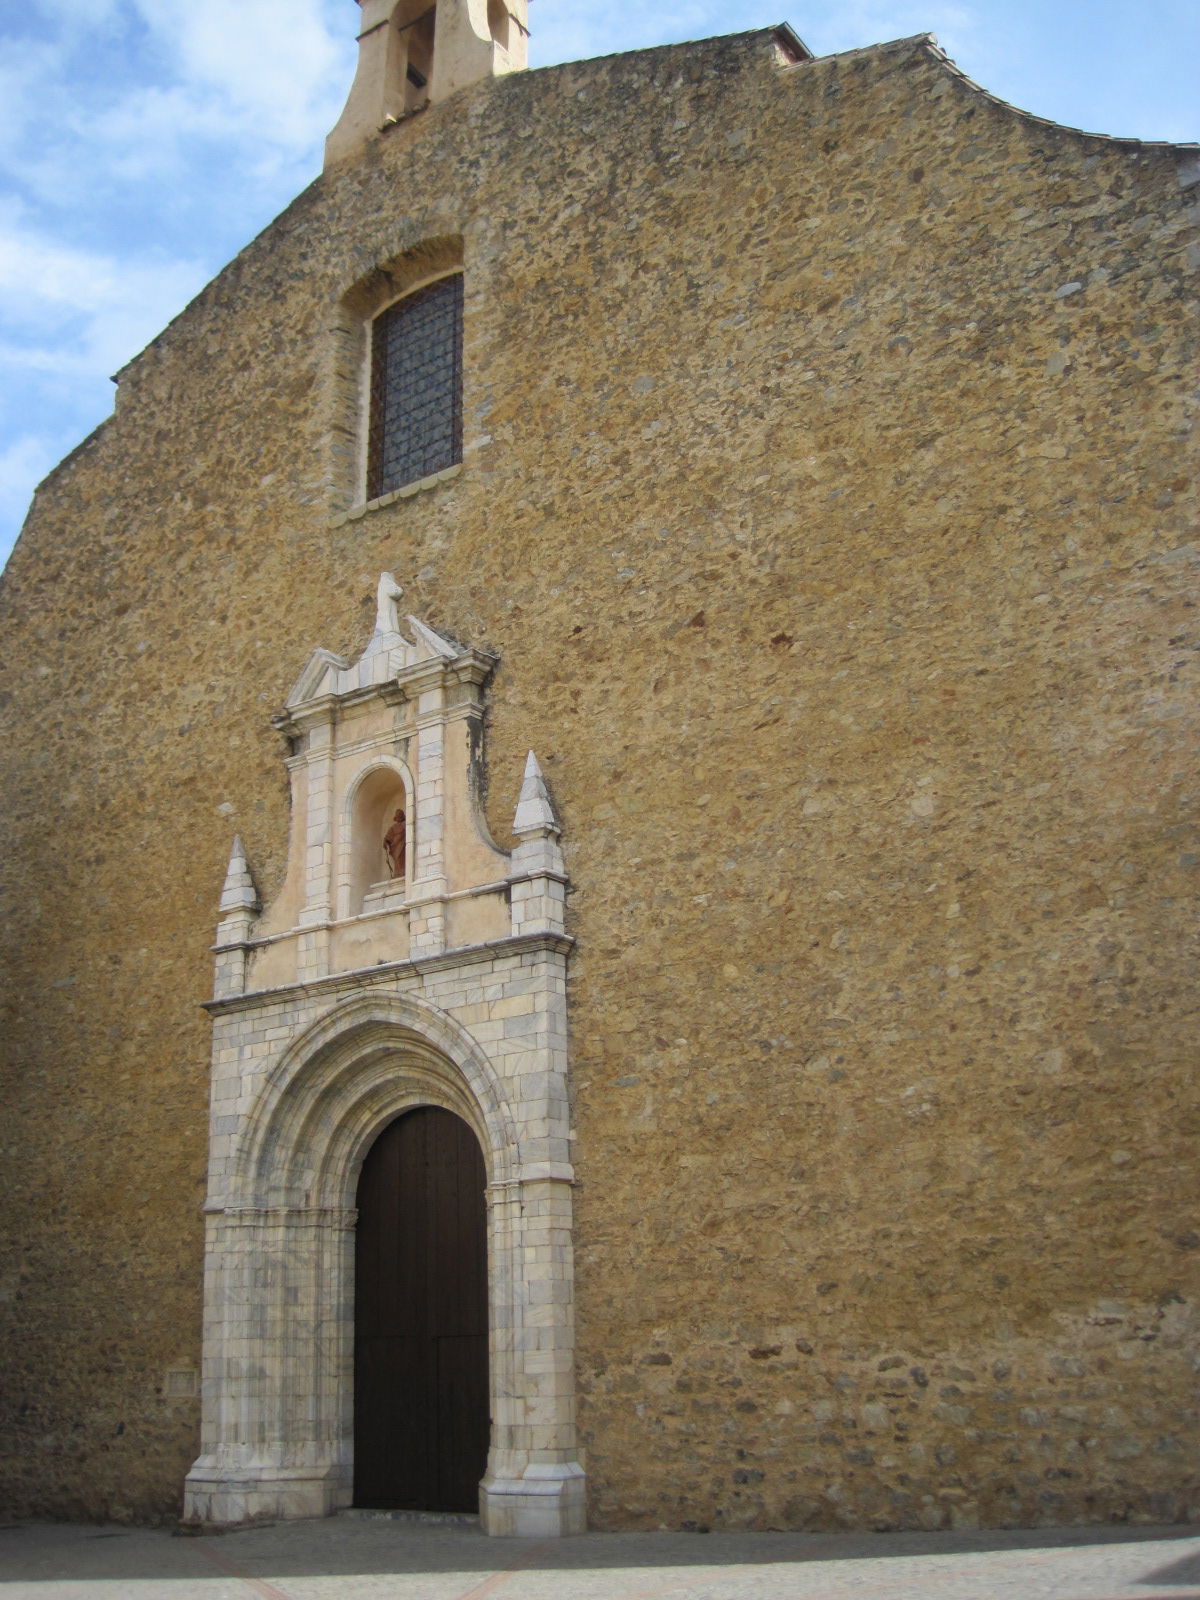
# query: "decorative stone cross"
388,596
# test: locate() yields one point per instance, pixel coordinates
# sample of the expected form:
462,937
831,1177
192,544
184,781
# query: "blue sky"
143,142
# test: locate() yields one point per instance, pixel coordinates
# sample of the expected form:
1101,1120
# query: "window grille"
416,387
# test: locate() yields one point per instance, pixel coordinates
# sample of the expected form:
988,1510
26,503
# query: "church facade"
654,611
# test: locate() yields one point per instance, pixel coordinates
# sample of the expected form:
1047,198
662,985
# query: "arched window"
416,387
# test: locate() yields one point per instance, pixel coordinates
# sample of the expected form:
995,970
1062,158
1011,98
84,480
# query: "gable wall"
839,566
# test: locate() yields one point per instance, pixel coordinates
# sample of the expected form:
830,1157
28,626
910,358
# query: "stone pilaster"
534,1485
273,1421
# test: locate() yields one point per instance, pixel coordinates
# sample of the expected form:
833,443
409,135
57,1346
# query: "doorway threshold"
414,1519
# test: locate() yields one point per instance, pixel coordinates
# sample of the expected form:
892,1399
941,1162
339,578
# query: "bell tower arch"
414,53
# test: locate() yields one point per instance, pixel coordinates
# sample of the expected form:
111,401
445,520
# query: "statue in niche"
395,843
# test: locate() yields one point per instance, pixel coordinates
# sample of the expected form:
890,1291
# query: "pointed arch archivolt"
360,1065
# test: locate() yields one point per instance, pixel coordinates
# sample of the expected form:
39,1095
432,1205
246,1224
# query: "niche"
380,841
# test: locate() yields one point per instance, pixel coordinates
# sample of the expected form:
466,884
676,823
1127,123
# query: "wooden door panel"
462,1419
394,1422
421,1369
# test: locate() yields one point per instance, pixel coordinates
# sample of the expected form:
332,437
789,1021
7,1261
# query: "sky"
143,142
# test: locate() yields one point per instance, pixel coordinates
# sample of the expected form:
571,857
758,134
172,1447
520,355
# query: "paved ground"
347,1559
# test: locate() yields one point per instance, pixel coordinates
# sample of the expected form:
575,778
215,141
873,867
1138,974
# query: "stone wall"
829,499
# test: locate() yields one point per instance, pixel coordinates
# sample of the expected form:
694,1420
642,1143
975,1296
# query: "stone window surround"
442,361
418,486
349,403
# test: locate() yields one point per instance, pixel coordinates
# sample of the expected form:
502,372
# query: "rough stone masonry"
828,496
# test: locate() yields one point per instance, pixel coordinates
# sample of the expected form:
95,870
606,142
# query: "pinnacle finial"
239,893
387,604
535,809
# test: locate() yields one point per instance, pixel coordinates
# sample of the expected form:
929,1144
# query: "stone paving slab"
342,1559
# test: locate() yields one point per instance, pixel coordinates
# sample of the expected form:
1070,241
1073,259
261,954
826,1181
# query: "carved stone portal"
361,992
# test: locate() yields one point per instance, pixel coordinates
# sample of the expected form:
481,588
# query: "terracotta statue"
394,844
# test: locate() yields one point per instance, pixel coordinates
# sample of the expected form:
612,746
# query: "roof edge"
953,67
793,43
929,43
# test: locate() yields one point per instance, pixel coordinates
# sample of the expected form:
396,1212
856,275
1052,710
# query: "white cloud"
564,30
172,82
24,457
109,305
158,131
27,67
23,464
273,66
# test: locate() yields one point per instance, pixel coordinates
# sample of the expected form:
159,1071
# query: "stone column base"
545,1502
216,1497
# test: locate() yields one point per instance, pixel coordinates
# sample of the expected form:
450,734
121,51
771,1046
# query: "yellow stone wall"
830,502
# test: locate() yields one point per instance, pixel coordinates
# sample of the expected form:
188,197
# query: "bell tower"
413,53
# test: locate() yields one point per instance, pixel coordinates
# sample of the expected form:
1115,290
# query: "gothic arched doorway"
421,1424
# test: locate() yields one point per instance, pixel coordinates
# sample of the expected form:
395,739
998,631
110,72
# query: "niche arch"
415,25
499,23
381,799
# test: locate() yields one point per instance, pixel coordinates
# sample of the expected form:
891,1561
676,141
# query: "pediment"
318,678
389,651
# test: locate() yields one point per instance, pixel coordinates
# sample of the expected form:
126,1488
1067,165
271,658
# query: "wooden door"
421,1420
